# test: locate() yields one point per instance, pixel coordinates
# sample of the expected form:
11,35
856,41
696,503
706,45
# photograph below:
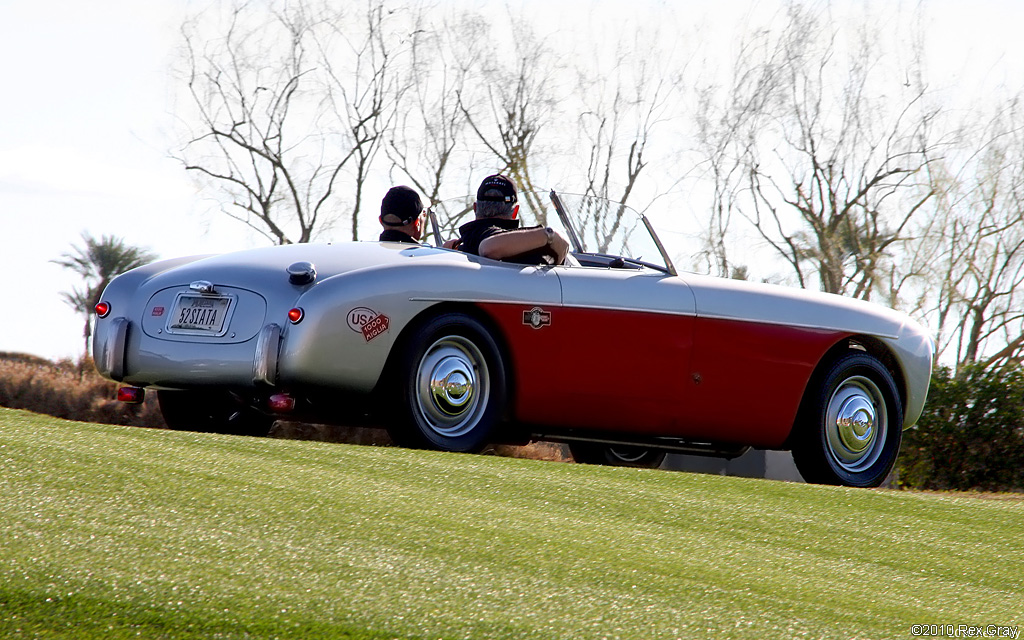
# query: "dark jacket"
394,235
475,232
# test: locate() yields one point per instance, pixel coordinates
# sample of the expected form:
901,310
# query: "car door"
624,340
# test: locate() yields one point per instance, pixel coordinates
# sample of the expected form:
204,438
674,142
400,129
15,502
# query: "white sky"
84,107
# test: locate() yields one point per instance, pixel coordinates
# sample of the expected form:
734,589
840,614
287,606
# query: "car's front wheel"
851,424
452,380
213,411
616,456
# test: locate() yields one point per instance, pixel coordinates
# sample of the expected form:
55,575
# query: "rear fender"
125,294
402,341
353,321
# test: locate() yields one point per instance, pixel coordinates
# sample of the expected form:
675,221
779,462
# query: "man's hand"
452,244
560,246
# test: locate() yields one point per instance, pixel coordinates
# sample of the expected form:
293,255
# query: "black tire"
624,456
850,425
452,386
211,412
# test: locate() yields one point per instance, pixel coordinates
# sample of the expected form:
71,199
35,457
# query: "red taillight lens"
131,395
281,403
102,309
296,315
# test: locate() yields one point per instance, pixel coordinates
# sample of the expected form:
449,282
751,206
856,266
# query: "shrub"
69,390
971,435
75,391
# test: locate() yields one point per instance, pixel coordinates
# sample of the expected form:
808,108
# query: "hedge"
971,435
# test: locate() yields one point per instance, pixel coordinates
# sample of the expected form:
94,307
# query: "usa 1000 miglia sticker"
368,322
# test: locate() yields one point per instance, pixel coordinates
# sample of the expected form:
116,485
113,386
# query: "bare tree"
282,110
431,131
516,101
829,176
977,270
363,89
622,109
728,121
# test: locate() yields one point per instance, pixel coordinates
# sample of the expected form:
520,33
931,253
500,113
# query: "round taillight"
295,315
102,309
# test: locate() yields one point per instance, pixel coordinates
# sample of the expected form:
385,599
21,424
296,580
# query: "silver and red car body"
602,349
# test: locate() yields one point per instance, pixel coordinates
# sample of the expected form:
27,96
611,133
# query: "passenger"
496,234
401,215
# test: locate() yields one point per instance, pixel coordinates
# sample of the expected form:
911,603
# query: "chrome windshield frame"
577,246
435,228
661,247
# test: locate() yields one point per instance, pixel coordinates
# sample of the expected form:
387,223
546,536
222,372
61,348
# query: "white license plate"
198,313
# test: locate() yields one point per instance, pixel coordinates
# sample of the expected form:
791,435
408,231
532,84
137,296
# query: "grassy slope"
110,532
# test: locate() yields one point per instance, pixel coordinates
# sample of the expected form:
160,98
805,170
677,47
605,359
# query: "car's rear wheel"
617,456
452,380
213,411
851,424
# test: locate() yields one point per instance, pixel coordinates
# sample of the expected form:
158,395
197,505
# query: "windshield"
599,230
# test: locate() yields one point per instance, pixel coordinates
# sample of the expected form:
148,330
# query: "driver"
495,232
400,215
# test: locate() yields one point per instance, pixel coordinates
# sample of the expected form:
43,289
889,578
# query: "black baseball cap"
496,188
400,206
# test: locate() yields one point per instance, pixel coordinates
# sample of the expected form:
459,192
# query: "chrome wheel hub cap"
452,386
628,454
856,424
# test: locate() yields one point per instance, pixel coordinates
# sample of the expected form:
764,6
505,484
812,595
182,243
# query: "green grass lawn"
118,532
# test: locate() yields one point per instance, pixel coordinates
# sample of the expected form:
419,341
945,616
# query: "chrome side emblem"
537,318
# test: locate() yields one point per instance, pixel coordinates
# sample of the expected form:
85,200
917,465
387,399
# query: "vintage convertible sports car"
614,353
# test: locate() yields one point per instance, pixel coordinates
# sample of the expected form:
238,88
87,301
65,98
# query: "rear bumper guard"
264,365
110,359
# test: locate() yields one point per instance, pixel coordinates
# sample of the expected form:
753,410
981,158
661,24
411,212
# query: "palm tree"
98,262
